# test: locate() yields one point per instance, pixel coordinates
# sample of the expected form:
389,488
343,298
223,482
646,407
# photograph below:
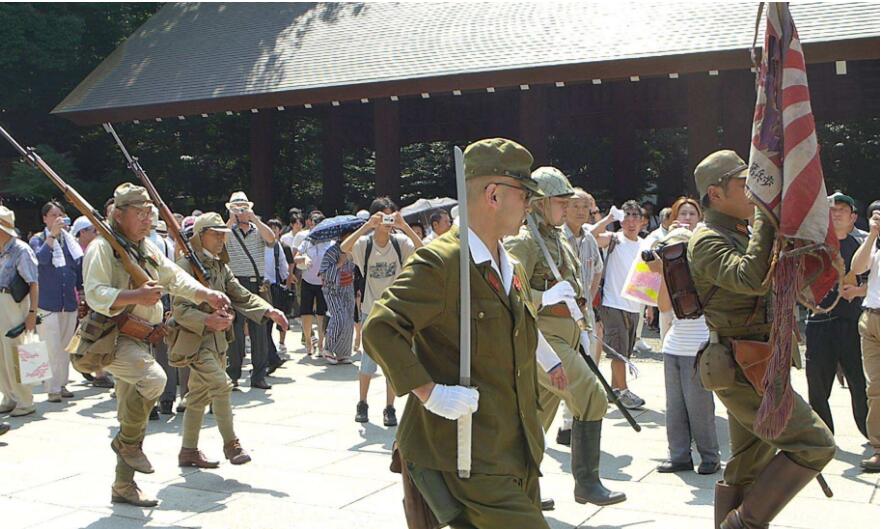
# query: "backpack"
367,251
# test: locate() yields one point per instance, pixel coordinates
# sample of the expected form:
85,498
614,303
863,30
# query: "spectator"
440,223
277,270
312,302
661,231
652,222
17,264
832,338
338,274
620,315
290,242
60,259
691,414
380,255
868,259
160,350
250,237
418,229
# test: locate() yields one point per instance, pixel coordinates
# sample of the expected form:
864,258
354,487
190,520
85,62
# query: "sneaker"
361,412
630,400
642,347
346,360
282,350
330,359
388,416
65,393
54,397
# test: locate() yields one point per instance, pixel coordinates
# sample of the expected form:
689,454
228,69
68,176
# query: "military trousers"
140,381
208,384
495,501
806,439
584,396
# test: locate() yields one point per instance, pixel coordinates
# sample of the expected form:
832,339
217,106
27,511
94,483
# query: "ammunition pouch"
140,329
716,366
753,357
93,346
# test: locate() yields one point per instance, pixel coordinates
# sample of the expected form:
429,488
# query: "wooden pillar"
703,119
624,177
738,106
333,195
387,143
534,124
261,164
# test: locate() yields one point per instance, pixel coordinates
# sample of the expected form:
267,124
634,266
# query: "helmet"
552,182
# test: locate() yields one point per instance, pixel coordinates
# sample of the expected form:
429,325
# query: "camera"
388,220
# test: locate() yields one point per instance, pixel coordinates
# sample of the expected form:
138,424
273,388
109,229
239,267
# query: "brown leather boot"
193,457
774,487
235,453
131,494
132,455
728,498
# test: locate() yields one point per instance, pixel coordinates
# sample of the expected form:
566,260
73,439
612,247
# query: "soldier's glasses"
529,193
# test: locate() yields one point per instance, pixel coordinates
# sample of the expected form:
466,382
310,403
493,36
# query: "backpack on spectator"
367,251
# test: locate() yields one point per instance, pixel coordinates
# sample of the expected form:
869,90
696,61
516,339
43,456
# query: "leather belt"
561,310
871,310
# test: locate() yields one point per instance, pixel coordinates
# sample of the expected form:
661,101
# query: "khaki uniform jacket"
526,250
104,277
188,334
738,271
413,333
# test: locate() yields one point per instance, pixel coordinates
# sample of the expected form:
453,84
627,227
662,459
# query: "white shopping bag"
32,360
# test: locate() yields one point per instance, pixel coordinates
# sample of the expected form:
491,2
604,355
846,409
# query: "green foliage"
849,153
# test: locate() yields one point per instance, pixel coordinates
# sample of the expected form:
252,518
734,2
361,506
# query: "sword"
463,424
585,330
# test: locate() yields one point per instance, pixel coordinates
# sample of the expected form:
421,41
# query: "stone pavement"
314,467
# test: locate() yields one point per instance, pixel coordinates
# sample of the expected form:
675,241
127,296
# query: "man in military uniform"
585,395
139,378
200,338
729,269
412,332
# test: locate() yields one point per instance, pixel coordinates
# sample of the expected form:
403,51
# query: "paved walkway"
314,467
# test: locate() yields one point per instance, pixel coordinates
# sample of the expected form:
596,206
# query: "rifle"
173,228
128,254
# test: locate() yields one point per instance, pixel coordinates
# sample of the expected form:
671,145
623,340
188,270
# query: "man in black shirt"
833,338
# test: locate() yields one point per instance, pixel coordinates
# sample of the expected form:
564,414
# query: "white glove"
452,402
616,213
557,293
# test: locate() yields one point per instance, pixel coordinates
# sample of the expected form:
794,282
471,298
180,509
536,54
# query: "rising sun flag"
786,181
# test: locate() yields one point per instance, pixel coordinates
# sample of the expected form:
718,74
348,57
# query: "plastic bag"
32,360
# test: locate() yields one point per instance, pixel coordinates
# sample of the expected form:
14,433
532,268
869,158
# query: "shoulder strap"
397,246
241,241
367,251
732,242
275,255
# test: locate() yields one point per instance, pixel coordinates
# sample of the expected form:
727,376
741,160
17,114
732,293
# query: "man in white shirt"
868,258
380,256
620,315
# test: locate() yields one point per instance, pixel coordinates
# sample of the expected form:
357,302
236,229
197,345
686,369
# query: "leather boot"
586,465
235,453
131,494
728,498
132,455
193,457
774,487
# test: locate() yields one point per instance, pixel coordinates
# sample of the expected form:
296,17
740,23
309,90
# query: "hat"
239,199
130,195
716,168
838,196
7,221
210,221
161,227
81,223
363,214
500,157
552,182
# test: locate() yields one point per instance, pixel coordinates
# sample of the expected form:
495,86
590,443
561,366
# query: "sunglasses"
529,193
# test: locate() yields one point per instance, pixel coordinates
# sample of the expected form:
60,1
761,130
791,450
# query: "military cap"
210,221
718,167
500,157
130,195
838,196
552,182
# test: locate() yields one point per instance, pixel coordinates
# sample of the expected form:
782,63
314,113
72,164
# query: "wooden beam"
261,163
387,143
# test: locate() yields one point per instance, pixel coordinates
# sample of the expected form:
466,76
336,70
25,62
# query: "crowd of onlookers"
330,286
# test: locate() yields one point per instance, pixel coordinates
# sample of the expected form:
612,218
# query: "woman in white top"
691,414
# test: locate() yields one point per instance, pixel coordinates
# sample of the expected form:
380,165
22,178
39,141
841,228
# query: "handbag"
19,288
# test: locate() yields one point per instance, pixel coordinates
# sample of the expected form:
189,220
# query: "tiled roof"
199,53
